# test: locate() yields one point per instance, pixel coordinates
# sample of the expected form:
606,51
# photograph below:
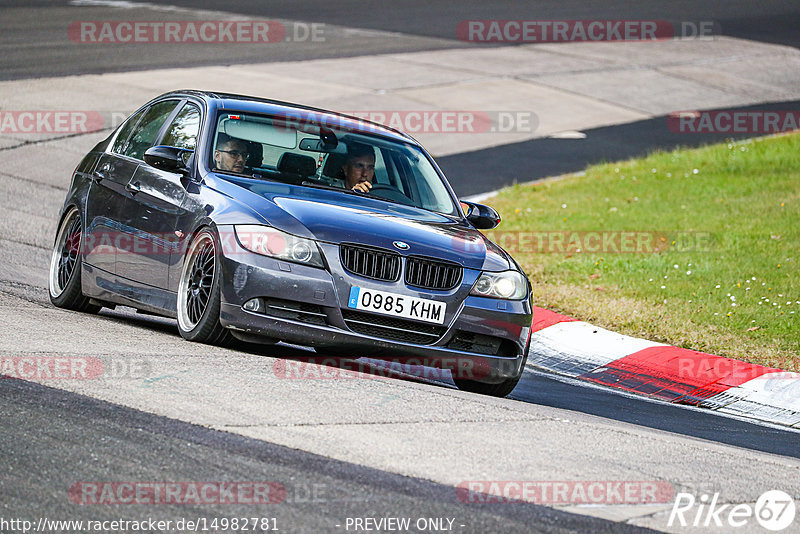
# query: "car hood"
339,217
385,225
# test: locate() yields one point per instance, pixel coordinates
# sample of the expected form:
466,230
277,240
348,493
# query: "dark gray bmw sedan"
266,221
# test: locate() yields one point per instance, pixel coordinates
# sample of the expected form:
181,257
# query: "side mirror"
168,158
482,217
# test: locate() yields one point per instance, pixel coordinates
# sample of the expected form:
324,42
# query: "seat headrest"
256,151
333,165
297,164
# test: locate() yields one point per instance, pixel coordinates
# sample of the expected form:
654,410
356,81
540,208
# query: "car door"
157,197
107,198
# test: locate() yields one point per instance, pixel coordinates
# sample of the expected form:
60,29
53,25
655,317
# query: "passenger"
231,154
358,170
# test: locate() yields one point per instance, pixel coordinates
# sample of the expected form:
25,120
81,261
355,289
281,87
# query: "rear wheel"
65,266
198,292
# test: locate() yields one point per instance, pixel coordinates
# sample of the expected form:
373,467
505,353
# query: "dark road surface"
53,440
34,38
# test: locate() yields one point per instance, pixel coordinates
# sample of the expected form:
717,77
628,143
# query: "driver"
231,154
358,170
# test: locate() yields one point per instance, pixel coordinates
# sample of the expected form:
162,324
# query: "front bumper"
482,339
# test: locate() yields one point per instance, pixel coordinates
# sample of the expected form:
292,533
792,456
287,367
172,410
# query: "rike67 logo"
774,510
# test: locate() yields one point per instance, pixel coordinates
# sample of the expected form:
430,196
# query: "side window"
125,132
146,131
380,168
182,133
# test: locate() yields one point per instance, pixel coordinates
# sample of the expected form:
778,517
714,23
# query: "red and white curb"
580,350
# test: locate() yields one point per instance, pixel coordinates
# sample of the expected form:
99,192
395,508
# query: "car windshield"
305,153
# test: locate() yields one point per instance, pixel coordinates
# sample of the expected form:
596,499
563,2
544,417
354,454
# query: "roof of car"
254,104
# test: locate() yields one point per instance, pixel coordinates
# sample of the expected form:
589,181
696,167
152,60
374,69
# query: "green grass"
730,278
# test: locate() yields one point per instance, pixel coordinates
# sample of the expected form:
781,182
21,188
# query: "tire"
199,294
495,390
65,266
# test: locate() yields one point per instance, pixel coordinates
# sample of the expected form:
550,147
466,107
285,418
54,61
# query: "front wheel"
65,266
198,292
495,390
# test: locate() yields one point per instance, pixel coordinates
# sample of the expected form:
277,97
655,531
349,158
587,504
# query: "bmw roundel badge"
401,245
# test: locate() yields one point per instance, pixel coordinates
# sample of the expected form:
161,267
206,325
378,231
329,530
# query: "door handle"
133,187
100,174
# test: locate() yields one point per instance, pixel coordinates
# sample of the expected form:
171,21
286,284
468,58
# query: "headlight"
510,285
272,242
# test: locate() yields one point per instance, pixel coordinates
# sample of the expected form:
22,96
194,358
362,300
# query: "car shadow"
296,361
535,387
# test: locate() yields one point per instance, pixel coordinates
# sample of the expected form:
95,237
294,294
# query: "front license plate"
396,305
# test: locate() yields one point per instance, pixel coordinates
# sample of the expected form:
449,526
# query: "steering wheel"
390,192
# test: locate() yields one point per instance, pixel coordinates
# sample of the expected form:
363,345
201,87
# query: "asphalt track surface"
34,44
493,168
34,32
771,21
51,438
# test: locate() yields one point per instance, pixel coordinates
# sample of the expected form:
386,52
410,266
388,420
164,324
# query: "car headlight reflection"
302,252
504,285
272,242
